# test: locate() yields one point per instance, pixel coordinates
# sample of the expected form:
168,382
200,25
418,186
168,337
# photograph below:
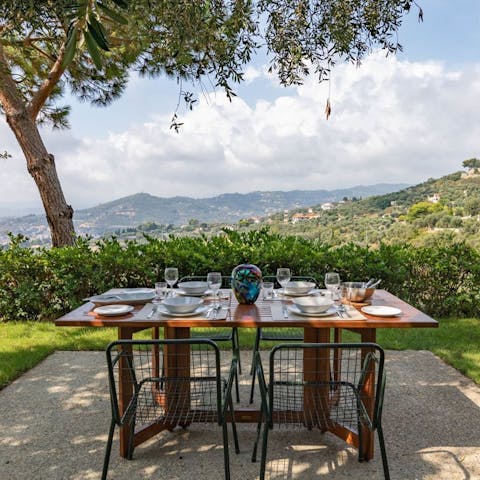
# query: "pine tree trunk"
41,166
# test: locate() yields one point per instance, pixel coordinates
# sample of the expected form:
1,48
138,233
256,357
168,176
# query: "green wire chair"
219,335
168,396
291,334
312,399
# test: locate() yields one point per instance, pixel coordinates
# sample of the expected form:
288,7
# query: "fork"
153,311
285,311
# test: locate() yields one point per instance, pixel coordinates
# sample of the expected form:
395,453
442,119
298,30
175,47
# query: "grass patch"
24,344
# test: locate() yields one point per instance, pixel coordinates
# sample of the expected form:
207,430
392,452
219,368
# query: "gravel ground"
54,422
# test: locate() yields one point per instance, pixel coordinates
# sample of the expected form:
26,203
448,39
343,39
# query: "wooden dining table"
259,315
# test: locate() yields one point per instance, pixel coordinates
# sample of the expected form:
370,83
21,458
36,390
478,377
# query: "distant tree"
88,46
472,206
421,209
471,163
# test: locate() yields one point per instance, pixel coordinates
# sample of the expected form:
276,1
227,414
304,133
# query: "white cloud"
392,121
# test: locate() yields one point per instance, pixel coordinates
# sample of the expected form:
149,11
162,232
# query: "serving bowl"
356,291
193,287
313,304
298,287
182,304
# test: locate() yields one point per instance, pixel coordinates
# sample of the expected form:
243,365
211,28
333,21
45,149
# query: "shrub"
440,280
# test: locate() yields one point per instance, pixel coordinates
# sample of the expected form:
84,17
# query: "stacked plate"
113,310
298,288
313,306
182,306
123,298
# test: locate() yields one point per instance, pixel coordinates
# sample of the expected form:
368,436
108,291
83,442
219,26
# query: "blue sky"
401,119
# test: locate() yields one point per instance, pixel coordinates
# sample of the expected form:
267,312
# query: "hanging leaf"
93,49
121,3
328,109
420,14
112,14
70,47
97,33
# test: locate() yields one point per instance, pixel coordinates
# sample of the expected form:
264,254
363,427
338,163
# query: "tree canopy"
92,46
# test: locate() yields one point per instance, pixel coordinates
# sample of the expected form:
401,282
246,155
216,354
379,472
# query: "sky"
395,119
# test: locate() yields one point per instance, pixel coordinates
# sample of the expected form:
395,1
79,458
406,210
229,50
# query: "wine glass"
332,282
171,277
214,280
283,277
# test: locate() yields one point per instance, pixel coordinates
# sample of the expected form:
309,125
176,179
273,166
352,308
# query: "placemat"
146,314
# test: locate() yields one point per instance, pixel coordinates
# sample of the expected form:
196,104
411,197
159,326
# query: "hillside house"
435,198
327,206
310,215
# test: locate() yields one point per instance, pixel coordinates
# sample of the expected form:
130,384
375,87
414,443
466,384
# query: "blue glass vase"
246,283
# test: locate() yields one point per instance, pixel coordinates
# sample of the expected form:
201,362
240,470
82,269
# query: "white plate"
198,311
294,309
113,310
184,293
381,311
136,290
133,298
289,293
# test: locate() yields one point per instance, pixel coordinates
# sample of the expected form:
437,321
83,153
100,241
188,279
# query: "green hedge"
45,283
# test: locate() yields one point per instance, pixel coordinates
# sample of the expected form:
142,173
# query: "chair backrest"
176,389
326,385
296,278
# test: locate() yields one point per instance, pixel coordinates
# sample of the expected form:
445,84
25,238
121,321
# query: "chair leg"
263,461
234,427
236,348
252,368
108,450
226,457
381,441
256,346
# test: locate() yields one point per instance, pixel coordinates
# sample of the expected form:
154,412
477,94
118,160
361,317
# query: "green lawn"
24,344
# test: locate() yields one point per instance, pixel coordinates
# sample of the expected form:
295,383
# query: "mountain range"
227,208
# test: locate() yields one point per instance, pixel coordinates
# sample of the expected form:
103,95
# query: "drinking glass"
160,291
214,280
267,288
171,277
283,277
332,282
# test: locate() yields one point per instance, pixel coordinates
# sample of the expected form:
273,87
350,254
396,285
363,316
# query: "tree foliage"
471,163
91,47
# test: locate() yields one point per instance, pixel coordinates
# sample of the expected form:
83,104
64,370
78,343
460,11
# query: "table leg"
177,365
124,389
368,335
316,369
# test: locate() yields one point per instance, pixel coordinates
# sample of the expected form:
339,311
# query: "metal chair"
188,388
217,334
296,393
275,334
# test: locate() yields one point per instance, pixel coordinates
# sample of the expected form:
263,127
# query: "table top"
253,316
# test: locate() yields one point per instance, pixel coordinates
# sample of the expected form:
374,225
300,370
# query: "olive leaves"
86,27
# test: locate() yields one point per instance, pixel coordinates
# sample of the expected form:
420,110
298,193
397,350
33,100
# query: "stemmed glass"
214,280
283,277
332,284
171,277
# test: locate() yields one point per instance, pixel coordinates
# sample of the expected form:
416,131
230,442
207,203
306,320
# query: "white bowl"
298,287
313,304
193,287
182,304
